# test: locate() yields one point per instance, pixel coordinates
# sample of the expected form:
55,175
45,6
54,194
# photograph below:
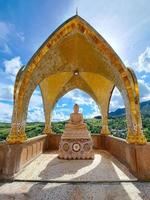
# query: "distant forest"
117,126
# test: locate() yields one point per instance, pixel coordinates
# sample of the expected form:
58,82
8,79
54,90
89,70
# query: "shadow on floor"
104,168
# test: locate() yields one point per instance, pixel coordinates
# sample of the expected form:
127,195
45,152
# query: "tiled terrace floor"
104,167
103,179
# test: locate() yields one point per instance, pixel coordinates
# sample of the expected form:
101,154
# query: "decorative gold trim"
124,78
136,139
16,138
47,130
105,131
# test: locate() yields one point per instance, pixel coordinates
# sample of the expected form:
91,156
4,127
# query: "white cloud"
4,30
116,100
59,116
144,90
6,112
82,99
8,31
61,106
62,111
144,76
35,110
80,109
95,111
79,97
6,92
21,36
5,48
36,100
12,66
143,64
9,34
36,114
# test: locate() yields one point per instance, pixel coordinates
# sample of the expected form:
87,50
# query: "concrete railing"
33,147
15,157
135,157
2,156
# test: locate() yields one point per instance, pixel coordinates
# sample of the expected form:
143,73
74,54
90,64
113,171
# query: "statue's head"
76,108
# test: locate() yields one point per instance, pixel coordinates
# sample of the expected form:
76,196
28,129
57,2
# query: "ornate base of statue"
76,142
76,149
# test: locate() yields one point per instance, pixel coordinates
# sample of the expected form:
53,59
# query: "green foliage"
4,130
58,127
117,123
34,129
94,125
146,127
117,126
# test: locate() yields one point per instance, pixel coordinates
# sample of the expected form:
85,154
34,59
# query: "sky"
26,24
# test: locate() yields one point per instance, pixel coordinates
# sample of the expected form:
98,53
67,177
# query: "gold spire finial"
76,10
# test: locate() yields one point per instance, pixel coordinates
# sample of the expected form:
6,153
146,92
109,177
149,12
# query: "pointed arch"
76,46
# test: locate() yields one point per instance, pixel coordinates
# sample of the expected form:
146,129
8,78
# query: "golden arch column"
63,52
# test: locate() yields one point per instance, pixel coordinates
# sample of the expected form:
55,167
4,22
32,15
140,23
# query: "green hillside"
117,126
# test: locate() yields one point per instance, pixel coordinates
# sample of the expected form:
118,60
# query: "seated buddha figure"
76,141
76,119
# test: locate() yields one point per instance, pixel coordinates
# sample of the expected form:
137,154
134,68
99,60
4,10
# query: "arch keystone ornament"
76,56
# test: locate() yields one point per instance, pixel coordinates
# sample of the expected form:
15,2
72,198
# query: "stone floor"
64,191
104,180
104,167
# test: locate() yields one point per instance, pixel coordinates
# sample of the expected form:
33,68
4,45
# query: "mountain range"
120,112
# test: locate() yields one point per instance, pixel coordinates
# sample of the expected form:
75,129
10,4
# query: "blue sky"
25,25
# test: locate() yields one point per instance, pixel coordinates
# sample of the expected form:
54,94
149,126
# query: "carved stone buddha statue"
76,119
76,128
76,142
